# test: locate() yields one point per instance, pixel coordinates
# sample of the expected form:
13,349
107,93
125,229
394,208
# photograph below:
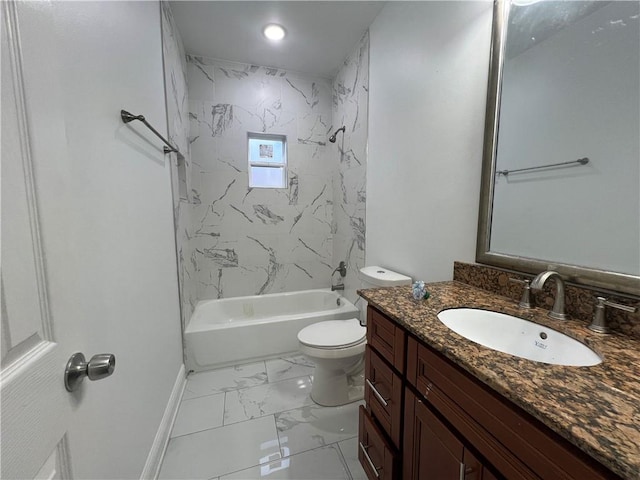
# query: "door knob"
100,366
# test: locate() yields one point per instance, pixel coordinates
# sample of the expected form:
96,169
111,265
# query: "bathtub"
234,330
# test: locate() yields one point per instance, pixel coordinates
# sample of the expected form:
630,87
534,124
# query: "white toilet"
336,347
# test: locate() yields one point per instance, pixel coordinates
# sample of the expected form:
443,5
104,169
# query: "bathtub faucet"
342,268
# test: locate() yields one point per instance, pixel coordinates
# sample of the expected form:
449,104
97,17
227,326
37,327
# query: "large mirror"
561,171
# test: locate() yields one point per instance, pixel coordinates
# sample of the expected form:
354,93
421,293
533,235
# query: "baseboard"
156,454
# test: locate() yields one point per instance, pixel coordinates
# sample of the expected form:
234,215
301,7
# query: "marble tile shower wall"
175,73
252,241
350,108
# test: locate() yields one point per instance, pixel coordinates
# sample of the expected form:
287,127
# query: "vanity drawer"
386,337
383,394
376,457
505,434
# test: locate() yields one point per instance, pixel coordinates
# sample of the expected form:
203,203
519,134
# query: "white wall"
558,100
428,76
105,202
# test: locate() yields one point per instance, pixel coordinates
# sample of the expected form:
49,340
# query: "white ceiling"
320,35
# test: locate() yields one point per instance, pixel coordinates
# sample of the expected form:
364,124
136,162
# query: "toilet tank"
374,276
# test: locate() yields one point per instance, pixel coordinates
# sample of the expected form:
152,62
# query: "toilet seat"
333,334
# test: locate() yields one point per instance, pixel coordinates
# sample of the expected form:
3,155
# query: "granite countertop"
596,408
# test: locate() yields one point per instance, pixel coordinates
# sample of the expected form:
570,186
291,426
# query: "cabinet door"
432,451
474,469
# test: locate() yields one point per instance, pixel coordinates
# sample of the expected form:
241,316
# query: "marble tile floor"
257,421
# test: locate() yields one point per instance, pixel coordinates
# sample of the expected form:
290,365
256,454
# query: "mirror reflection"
570,91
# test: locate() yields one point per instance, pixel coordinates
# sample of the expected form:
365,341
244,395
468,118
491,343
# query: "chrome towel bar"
581,161
129,117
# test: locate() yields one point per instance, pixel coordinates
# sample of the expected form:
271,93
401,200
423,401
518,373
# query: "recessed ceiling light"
274,32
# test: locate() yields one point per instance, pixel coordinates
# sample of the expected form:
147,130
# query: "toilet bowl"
336,347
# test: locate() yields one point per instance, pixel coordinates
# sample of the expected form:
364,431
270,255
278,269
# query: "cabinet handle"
366,455
377,393
464,471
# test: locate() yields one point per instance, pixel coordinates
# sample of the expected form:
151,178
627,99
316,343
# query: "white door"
35,404
89,261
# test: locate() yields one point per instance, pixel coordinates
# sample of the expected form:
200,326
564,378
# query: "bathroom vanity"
440,406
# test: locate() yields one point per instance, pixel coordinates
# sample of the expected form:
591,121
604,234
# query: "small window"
267,160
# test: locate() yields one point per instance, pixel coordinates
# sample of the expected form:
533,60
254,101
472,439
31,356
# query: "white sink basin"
518,337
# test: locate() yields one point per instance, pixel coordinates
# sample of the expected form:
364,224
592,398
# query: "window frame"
272,137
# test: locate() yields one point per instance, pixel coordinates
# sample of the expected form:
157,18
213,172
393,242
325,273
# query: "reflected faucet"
537,283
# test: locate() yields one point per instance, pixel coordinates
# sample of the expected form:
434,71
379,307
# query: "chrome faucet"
525,300
599,323
342,268
537,283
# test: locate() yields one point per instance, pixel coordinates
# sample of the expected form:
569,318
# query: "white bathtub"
233,330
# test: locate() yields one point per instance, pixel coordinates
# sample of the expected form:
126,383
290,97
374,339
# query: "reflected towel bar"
129,117
581,161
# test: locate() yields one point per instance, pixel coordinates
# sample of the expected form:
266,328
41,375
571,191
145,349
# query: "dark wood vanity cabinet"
383,394
433,450
379,459
387,338
380,428
426,418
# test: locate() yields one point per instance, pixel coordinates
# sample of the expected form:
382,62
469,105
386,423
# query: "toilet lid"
333,333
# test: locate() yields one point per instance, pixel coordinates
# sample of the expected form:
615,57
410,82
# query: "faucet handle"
599,323
525,300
